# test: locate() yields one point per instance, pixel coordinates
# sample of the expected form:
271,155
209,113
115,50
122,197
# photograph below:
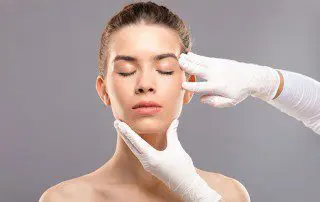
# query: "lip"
147,110
146,104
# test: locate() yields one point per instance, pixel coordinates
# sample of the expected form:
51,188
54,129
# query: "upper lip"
146,104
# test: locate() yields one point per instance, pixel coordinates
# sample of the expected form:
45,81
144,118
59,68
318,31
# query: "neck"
126,167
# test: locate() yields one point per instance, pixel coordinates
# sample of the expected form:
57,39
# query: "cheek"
174,95
173,88
119,91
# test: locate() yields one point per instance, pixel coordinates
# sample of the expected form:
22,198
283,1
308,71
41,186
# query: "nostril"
141,90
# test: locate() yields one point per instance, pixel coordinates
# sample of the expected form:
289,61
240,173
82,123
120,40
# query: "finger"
218,101
205,87
203,60
130,145
172,135
192,68
126,140
143,147
195,57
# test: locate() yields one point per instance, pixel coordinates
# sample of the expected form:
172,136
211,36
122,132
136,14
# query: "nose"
146,82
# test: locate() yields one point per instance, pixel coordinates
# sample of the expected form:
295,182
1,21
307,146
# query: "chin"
149,128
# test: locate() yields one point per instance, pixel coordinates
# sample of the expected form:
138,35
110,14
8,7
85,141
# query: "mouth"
144,104
147,108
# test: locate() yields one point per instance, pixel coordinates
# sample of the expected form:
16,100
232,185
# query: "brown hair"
134,13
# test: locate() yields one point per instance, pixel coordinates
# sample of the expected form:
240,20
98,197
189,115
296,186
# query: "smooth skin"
122,178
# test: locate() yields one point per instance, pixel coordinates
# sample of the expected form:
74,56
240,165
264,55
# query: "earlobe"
106,96
107,99
188,94
101,90
187,97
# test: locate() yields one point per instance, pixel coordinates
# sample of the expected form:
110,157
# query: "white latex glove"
173,166
300,98
228,81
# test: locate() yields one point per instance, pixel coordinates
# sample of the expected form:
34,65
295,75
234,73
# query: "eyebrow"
155,58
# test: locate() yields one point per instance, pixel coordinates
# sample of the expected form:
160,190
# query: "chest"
124,195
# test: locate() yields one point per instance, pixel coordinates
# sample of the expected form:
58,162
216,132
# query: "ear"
101,88
188,94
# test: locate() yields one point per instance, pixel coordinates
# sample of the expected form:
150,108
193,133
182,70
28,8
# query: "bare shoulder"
241,190
64,191
77,189
230,189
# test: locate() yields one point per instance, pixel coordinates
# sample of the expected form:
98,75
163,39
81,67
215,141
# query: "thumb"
218,101
172,135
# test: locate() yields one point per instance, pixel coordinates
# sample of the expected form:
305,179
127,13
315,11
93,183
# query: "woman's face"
148,81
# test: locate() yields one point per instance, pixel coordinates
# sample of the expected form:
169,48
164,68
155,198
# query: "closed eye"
161,72
126,74
167,73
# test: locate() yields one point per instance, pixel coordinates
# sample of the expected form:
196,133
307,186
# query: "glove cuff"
267,83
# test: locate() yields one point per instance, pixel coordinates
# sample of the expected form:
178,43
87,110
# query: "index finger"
192,68
135,140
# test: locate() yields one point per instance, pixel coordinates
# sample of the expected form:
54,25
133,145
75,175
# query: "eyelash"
128,74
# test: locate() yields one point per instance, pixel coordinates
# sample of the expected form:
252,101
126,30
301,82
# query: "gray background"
54,126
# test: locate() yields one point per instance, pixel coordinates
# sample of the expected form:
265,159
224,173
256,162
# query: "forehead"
144,40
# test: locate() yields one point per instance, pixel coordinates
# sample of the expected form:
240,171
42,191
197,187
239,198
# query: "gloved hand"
173,166
228,81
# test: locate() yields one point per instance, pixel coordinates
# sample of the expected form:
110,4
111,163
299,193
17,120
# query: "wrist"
197,190
280,88
267,82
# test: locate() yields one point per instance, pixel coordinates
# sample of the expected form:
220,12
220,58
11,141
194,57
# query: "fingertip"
206,101
116,123
186,86
175,123
182,61
182,54
191,53
183,86
119,125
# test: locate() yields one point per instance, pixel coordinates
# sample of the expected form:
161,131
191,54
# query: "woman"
138,61
229,82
